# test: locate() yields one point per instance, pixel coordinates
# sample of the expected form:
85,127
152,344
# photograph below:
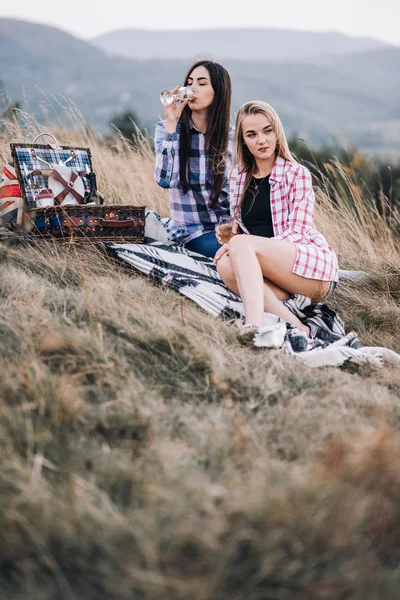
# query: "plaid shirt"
292,208
190,212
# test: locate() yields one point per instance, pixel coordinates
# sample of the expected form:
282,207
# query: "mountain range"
238,44
334,88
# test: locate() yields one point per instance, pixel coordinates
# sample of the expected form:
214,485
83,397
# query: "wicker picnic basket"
58,197
119,223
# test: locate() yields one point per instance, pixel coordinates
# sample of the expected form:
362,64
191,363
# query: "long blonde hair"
242,155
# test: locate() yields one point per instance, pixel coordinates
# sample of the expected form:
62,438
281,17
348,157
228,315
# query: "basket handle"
118,223
50,135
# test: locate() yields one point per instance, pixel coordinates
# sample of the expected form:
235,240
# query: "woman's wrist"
170,126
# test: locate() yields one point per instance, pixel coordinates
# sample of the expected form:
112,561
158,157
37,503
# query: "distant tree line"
126,124
8,108
341,168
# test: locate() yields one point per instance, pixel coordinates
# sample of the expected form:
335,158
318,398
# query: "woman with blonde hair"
272,202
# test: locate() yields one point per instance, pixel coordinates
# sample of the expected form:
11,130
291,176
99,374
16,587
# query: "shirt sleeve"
230,149
236,182
301,208
166,172
232,183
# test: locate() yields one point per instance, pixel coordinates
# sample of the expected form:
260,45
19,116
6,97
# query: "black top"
256,208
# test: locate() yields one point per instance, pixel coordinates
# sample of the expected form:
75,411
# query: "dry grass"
146,454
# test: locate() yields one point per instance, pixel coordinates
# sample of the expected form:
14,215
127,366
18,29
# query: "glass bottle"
167,97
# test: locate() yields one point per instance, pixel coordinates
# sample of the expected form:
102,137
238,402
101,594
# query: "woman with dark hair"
194,147
272,201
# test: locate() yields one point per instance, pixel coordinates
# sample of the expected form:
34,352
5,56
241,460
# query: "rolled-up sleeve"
166,173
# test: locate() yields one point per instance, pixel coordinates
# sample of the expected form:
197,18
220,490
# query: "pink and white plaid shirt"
292,209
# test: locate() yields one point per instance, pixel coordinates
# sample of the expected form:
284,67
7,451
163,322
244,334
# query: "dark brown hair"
218,124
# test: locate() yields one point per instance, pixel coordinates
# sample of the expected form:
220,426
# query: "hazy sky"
86,19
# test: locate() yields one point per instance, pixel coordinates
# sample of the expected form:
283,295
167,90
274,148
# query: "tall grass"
147,454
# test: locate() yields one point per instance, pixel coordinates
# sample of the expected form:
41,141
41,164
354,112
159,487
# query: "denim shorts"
331,289
206,244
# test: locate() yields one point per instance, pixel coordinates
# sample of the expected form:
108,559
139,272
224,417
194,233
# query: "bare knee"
241,244
238,242
254,243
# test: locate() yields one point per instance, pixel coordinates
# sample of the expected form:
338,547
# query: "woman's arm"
166,144
301,200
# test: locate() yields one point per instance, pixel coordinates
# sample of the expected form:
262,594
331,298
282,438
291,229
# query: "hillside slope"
146,453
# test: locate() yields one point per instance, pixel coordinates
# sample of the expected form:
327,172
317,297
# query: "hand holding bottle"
174,102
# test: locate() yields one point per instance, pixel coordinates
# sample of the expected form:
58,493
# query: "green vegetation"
375,179
9,110
126,124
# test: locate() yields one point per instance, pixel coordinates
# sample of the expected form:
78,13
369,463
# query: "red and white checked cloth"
11,201
292,209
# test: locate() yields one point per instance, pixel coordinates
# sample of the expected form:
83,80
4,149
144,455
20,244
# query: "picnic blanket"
195,276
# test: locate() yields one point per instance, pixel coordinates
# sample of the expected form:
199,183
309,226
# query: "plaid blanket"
195,276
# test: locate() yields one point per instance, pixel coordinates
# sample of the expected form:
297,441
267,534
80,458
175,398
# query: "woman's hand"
173,112
220,253
234,230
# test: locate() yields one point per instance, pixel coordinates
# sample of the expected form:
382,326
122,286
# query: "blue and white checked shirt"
190,212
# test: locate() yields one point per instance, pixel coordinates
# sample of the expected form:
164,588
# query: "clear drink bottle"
167,97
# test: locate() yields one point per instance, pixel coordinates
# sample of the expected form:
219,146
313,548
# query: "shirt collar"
278,170
192,126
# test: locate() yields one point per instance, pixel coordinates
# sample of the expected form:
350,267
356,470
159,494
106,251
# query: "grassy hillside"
147,454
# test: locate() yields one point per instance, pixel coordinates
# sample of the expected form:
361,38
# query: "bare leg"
273,295
226,273
254,258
